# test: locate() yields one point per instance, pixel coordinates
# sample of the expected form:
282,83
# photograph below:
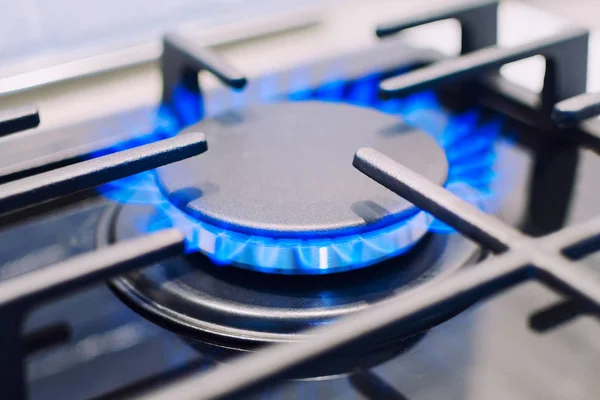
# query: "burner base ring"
257,309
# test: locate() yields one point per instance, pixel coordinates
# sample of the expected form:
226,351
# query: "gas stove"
329,226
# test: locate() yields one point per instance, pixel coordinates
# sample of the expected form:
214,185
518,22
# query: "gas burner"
224,310
277,192
279,186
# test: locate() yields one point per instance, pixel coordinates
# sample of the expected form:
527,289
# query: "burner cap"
277,191
285,169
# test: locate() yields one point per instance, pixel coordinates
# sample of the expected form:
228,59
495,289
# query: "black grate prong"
18,119
182,60
18,296
48,336
94,172
576,109
566,67
555,315
408,184
373,387
576,241
478,21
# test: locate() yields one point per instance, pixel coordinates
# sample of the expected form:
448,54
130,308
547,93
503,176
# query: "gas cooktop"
323,230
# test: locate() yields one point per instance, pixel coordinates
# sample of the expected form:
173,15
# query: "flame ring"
469,149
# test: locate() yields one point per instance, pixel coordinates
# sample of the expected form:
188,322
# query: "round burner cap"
285,170
277,191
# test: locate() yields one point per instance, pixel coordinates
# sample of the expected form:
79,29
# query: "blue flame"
468,142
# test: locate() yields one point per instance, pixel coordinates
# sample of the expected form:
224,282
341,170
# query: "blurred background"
71,57
42,33
583,11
